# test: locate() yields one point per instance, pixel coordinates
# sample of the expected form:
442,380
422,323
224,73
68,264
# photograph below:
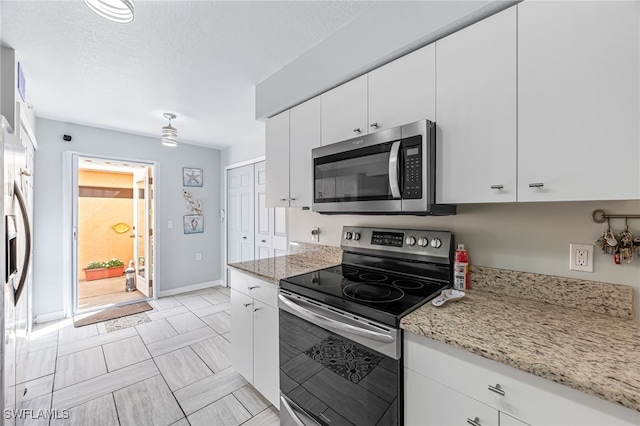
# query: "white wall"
176,265
530,237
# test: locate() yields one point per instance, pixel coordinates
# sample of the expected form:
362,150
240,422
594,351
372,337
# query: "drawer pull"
474,422
357,130
256,309
251,288
497,186
497,389
536,185
247,304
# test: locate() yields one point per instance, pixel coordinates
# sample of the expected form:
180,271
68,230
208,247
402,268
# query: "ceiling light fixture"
169,133
120,11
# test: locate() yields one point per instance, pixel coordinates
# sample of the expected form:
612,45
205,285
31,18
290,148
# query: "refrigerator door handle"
27,246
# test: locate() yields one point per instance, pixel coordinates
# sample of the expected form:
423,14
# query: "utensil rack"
599,216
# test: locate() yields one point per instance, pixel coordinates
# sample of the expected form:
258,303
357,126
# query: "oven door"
336,368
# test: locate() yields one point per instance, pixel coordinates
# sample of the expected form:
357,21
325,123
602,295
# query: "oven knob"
410,241
347,235
436,243
423,242
356,236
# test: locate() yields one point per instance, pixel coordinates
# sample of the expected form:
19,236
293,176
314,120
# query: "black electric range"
384,275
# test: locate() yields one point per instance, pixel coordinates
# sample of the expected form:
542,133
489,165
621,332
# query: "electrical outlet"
315,235
581,257
198,256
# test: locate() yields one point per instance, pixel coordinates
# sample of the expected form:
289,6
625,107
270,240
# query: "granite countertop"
309,258
596,353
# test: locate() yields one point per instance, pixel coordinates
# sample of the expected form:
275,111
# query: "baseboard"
52,316
200,286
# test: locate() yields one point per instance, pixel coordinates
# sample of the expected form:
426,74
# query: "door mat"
111,313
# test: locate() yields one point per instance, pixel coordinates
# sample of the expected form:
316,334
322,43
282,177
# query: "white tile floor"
174,370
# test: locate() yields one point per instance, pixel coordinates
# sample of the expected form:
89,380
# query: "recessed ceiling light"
120,11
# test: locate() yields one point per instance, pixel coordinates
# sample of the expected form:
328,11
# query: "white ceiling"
197,59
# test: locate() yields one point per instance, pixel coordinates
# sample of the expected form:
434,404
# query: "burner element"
348,271
373,292
408,284
373,277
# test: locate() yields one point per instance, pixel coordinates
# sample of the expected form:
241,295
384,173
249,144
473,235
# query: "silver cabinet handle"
393,170
374,125
244,238
536,185
292,199
283,199
332,324
263,241
251,288
497,186
246,305
497,389
256,309
357,130
474,422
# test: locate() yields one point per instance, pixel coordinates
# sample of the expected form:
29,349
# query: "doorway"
113,232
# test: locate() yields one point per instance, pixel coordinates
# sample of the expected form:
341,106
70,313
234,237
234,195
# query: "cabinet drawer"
260,290
526,397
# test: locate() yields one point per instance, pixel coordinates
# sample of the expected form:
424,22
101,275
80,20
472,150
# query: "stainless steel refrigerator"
17,161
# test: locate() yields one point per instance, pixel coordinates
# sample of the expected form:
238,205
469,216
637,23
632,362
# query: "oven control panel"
412,243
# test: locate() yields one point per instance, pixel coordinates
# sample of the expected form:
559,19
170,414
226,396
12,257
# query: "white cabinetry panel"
242,334
403,91
344,111
304,136
476,126
277,160
578,100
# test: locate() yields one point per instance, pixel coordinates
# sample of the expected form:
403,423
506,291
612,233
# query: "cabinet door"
403,91
266,369
277,160
304,136
242,334
476,128
507,420
344,111
263,216
430,403
578,101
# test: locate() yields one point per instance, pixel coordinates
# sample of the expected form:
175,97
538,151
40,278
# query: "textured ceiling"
197,59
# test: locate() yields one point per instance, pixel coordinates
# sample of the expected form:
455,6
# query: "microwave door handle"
394,182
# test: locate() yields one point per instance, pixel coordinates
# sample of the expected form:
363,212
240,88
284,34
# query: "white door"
240,214
140,229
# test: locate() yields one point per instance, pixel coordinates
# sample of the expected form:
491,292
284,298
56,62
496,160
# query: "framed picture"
193,223
191,177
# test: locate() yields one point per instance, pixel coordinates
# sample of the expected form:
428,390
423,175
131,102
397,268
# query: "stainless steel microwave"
392,171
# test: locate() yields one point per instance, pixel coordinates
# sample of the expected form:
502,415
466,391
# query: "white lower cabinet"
254,333
453,383
428,402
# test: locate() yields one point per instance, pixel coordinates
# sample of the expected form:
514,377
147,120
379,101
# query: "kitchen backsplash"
603,298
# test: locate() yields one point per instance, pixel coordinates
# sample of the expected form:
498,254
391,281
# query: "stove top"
379,295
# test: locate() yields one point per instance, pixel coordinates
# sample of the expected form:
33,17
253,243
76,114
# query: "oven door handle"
292,412
332,324
394,182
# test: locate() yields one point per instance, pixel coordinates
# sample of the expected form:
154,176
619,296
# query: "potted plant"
99,270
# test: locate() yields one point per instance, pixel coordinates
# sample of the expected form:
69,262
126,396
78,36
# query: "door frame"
223,212
69,217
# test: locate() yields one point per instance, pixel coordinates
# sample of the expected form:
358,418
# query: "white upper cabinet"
578,112
277,160
303,137
403,91
476,112
344,111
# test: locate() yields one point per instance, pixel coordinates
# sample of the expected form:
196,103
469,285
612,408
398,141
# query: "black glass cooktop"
385,297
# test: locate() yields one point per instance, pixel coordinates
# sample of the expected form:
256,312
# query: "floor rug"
111,313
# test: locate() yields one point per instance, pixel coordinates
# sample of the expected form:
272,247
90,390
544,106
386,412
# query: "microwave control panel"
412,156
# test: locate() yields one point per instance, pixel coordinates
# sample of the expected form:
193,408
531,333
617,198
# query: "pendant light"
120,11
169,133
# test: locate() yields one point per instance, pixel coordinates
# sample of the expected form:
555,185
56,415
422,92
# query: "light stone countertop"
592,352
310,258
